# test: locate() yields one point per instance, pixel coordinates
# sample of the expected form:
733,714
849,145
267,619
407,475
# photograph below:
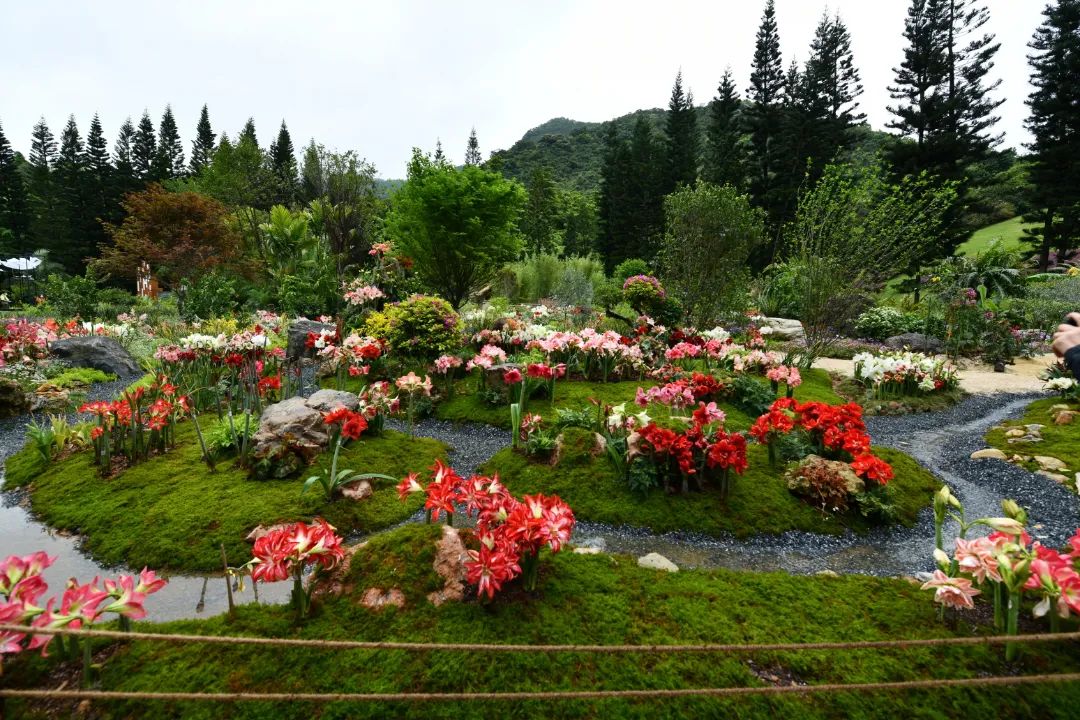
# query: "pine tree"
45,222
764,116
283,163
124,178
14,210
202,147
439,156
1054,122
472,150
170,152
834,87
724,157
100,203
682,138
68,247
797,144
248,133
144,150
538,219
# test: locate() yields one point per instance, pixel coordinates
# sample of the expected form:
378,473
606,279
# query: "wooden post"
228,580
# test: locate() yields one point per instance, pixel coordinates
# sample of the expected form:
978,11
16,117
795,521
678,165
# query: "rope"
996,680
483,647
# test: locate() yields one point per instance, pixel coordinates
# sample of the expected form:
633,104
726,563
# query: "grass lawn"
598,599
1009,231
1059,441
759,501
171,512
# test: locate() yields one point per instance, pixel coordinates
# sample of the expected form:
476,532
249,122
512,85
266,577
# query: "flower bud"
1013,510
1005,525
941,558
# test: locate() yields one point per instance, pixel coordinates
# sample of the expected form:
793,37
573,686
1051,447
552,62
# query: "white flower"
1060,384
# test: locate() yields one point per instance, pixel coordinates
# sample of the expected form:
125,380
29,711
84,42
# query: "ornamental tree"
457,224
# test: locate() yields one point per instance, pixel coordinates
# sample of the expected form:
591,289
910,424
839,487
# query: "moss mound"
590,599
171,512
1059,441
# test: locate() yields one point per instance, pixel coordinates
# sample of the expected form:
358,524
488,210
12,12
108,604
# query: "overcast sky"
380,78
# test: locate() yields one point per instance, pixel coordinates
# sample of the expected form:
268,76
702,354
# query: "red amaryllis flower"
871,467
540,371
512,377
408,485
337,415
99,408
728,451
354,426
489,568
270,382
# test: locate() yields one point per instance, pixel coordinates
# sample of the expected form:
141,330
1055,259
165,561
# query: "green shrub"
71,296
751,397
628,268
213,294
422,327
879,323
644,293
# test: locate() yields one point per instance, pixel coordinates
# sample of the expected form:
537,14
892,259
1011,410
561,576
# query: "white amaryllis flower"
717,333
1060,384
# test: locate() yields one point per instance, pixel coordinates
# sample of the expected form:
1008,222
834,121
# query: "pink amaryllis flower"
412,383
976,557
126,600
952,591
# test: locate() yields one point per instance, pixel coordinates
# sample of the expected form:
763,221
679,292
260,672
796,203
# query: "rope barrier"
995,680
483,647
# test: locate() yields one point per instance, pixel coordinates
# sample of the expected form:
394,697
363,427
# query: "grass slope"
759,501
1059,441
171,513
597,599
1008,231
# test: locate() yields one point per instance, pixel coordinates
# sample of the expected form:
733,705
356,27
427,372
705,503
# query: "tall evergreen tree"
681,134
170,151
69,247
539,217
472,150
631,193
101,203
834,87
45,221
764,117
202,147
283,163
724,157
1054,123
124,178
439,157
144,150
14,210
248,133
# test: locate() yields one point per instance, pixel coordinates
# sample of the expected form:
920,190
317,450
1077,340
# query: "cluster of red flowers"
511,533
835,428
353,424
697,448
540,371
284,552
123,424
21,588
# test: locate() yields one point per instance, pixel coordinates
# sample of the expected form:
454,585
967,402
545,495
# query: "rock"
656,561
1056,477
450,557
1015,433
782,329
326,400
493,376
13,400
1019,459
1050,463
298,332
1059,406
587,551
95,351
915,341
827,573
988,454
262,531
358,490
1034,428
1025,439
49,398
293,418
375,598
1064,417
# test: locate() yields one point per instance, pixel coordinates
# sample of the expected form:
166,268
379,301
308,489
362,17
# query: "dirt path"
978,377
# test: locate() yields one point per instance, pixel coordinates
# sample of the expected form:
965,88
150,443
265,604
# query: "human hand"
1067,335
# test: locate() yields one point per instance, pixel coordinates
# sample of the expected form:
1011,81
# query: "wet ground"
943,442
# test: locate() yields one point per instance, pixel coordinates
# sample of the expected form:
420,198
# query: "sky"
382,77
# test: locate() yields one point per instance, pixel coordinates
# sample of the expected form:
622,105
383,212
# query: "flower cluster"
25,341
831,429
142,420
359,292
489,356
510,532
286,551
355,354
80,606
893,374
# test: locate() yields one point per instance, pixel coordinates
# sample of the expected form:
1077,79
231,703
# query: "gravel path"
1021,377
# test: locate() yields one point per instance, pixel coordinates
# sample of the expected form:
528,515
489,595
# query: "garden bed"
172,513
1057,441
759,501
601,599
851,390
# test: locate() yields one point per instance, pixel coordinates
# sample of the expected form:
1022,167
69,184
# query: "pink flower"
976,557
149,582
411,383
127,601
954,592
512,376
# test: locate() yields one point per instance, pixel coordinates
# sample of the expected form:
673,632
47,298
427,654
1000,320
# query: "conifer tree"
472,150
724,157
144,150
833,85
45,221
764,116
283,164
100,201
439,157
1054,123
682,138
170,151
124,178
68,247
248,133
202,147
539,216
14,210
631,193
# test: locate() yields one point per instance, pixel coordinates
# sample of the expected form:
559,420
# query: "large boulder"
782,329
326,400
95,351
291,419
298,333
13,399
915,341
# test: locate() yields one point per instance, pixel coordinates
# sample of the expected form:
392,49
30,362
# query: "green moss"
171,512
941,400
759,502
80,377
590,599
1059,441
402,559
22,467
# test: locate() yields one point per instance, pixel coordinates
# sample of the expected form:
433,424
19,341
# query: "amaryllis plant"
510,533
25,341
353,357
413,388
80,605
288,551
1005,566
445,368
344,425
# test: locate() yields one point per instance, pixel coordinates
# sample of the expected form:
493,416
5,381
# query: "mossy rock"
171,512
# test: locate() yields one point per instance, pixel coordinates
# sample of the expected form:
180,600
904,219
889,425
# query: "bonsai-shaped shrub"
828,484
422,327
